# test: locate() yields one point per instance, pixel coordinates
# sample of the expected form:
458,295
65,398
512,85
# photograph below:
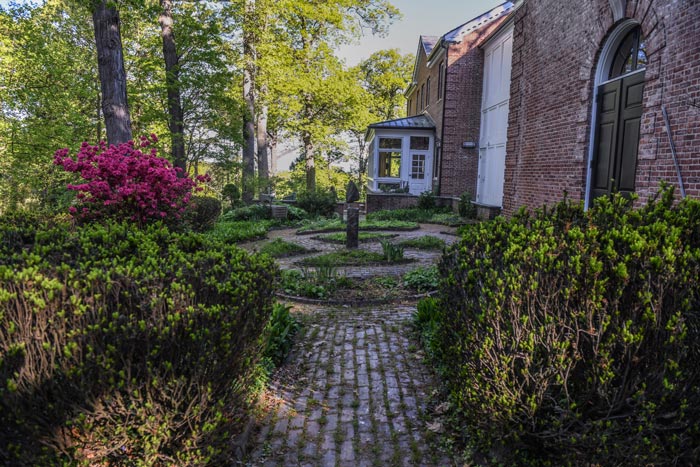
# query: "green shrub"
279,333
465,207
317,203
202,213
391,251
423,279
232,194
295,213
318,283
572,338
252,212
122,346
434,216
426,201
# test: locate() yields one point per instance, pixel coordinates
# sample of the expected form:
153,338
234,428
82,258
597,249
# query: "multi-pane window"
389,157
422,96
418,166
441,79
427,92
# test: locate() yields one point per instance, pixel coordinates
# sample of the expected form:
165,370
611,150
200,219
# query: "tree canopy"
50,93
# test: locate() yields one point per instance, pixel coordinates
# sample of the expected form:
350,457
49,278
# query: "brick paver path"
353,393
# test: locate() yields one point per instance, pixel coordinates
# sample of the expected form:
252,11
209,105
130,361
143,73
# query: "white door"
418,180
494,119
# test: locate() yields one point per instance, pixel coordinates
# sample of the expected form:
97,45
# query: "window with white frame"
389,157
418,167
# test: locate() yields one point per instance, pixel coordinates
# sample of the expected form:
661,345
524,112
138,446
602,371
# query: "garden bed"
340,238
351,258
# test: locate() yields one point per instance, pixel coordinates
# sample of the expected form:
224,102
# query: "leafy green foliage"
465,206
333,225
317,203
240,231
140,346
391,251
279,248
569,337
426,242
202,213
317,283
430,216
426,201
232,194
423,279
279,335
341,237
252,212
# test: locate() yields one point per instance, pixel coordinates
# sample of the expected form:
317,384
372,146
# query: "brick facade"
457,115
556,49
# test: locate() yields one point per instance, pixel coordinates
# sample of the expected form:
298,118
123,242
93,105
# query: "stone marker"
352,194
353,228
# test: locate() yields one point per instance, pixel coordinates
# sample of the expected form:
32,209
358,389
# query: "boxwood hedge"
572,337
125,346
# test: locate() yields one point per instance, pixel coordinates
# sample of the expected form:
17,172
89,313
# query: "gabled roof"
417,122
457,33
428,43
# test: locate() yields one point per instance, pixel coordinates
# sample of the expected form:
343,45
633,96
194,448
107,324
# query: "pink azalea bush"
124,181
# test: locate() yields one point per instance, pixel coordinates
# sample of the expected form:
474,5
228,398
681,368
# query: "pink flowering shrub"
127,181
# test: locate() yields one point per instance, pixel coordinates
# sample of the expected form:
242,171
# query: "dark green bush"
202,213
252,212
465,207
426,200
317,203
295,213
126,346
232,194
422,279
572,338
280,332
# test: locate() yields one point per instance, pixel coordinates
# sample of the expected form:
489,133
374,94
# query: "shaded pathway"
353,393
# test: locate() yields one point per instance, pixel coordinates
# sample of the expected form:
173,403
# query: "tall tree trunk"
172,81
249,99
263,147
310,163
110,64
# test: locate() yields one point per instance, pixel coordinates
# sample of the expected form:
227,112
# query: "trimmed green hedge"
131,347
573,338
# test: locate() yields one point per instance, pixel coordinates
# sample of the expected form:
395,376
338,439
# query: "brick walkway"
353,393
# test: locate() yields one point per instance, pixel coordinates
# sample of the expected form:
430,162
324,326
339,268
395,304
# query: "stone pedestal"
353,228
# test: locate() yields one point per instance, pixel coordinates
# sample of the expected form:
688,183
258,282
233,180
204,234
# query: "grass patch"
341,237
279,248
335,225
427,242
240,231
347,258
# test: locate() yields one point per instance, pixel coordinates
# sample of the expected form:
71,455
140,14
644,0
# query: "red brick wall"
555,53
460,113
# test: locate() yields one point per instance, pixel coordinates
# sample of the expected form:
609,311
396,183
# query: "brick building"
591,82
547,97
444,103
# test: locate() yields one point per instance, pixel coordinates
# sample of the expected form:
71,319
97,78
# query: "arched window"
618,108
631,54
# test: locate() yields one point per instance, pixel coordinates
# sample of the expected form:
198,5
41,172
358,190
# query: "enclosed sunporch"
401,154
